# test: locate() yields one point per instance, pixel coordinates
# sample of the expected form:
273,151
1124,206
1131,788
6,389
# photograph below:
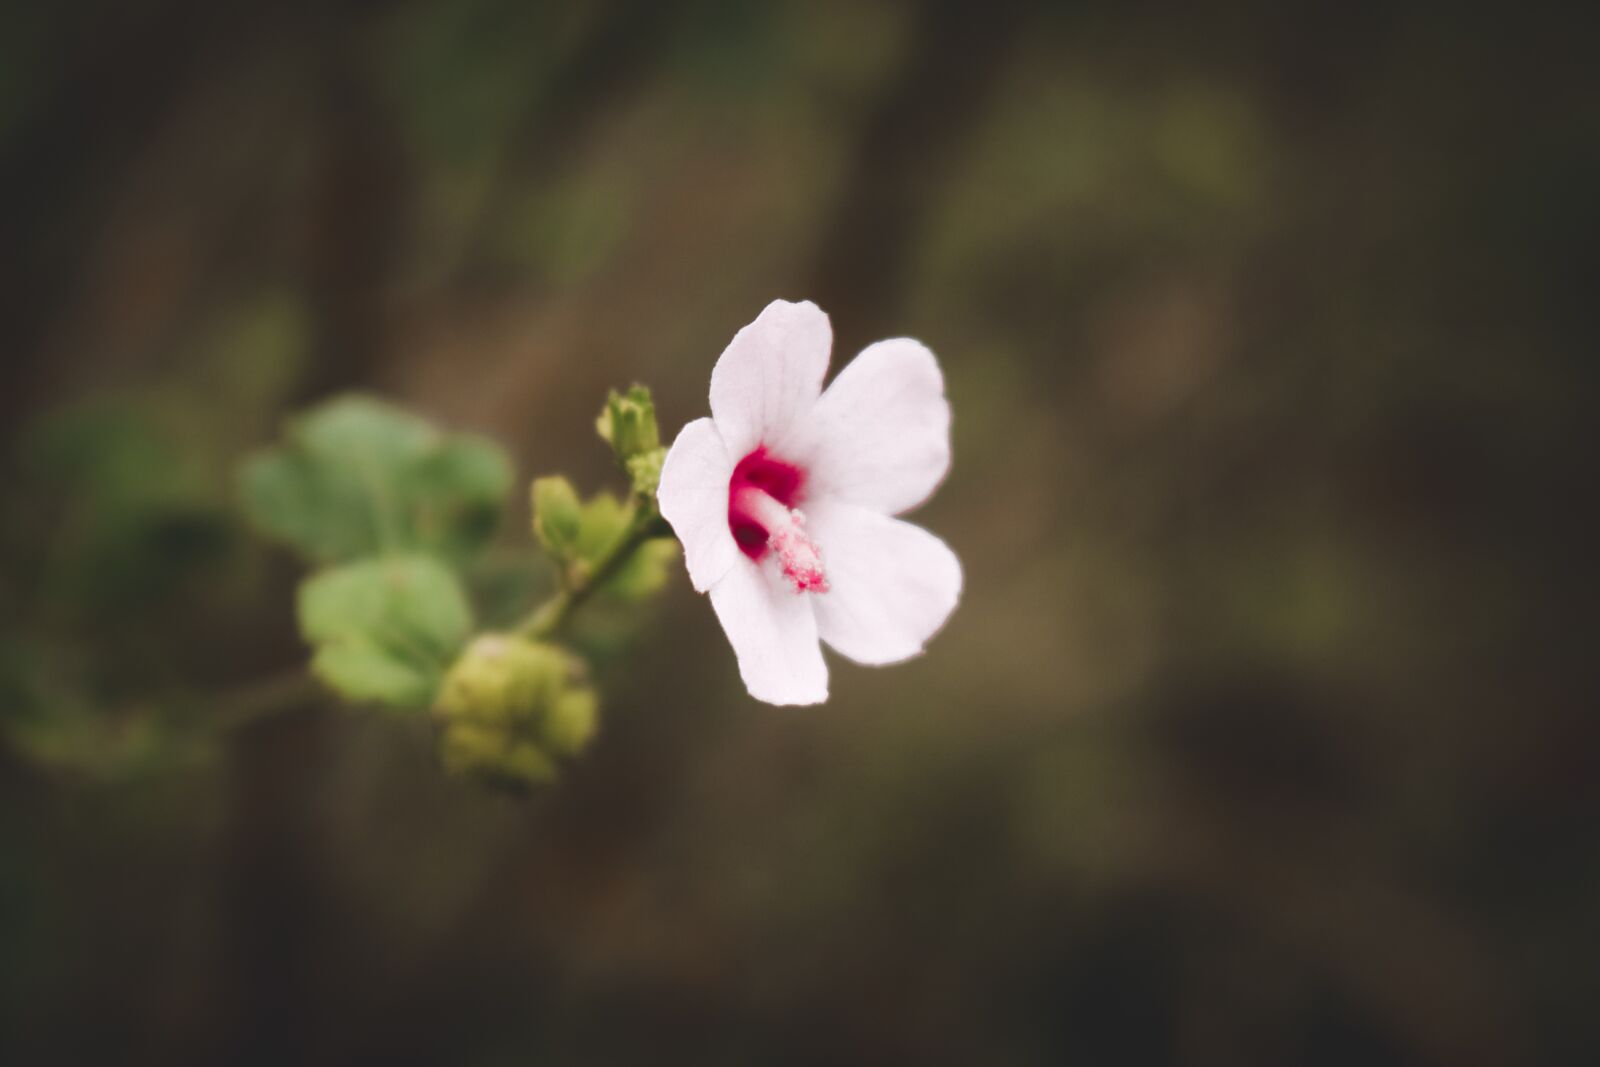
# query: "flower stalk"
579,581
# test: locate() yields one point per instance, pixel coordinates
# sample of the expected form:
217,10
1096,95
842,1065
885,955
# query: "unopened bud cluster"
511,709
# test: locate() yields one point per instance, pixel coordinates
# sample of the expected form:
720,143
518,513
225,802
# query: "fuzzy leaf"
385,630
358,477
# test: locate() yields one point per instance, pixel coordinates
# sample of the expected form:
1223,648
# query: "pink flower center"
762,495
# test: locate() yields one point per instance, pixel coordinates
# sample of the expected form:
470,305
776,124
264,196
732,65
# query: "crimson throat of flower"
762,517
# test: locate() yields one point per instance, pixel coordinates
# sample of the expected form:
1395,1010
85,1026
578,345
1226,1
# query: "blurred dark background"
1265,732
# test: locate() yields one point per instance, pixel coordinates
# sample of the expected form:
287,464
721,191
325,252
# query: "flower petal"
774,634
880,435
770,375
694,500
892,584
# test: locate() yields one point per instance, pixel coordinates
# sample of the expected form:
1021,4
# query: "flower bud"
510,709
571,721
628,423
557,515
644,471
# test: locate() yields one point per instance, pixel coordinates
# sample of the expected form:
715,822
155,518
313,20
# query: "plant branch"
548,618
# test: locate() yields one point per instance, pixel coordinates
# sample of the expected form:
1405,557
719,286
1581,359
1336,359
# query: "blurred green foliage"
136,529
385,629
358,477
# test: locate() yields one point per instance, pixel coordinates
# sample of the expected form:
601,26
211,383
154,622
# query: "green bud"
510,709
557,515
524,764
474,751
644,470
628,423
571,721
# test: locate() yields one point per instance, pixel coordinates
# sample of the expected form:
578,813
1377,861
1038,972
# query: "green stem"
296,689
548,618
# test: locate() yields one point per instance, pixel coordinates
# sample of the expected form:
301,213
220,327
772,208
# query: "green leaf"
458,493
385,630
358,477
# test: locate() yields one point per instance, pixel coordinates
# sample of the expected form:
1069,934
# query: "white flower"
783,498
